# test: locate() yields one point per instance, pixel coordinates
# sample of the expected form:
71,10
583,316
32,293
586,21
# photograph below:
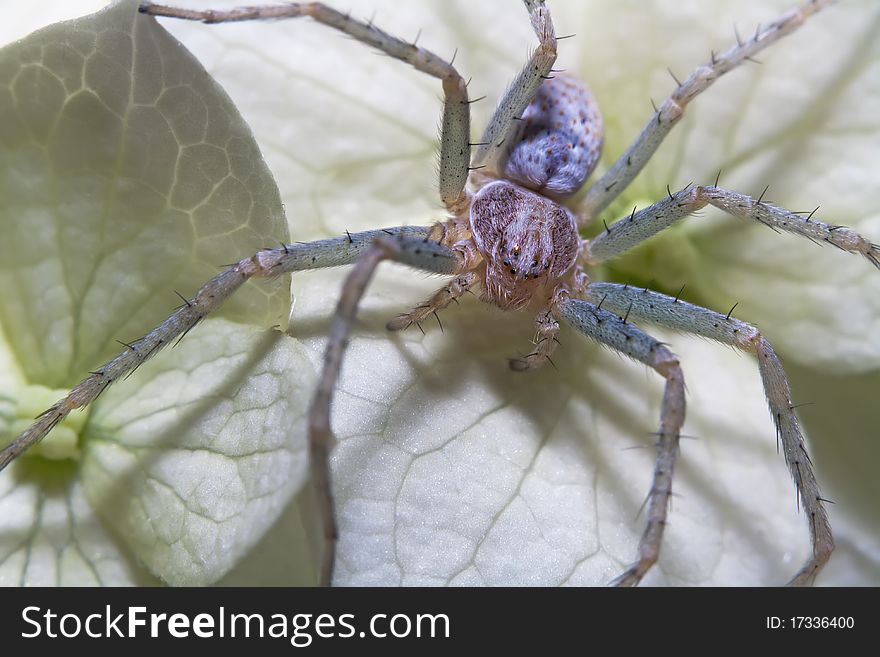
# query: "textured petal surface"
195,458
128,174
52,537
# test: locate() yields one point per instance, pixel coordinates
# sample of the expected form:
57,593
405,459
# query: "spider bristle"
186,302
761,197
52,409
126,344
739,41
873,255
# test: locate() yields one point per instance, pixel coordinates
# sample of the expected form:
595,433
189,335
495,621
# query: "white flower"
449,468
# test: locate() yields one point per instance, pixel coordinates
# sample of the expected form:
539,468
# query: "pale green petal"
49,534
11,379
285,556
126,175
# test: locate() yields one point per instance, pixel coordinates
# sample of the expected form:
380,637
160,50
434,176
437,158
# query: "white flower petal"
195,458
52,537
450,469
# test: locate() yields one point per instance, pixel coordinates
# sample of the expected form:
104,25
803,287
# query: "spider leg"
625,234
608,329
671,313
504,123
624,171
546,330
456,288
455,133
418,253
264,264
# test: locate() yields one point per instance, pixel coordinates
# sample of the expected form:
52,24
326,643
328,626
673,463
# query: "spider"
511,236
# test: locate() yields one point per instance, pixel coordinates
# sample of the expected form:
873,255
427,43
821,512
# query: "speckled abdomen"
559,141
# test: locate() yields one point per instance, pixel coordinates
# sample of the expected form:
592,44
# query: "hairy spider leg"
669,312
419,253
627,233
503,126
455,133
603,192
607,328
264,264
545,342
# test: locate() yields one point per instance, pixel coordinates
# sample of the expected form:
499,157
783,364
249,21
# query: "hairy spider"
514,234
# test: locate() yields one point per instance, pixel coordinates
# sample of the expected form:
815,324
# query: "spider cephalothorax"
528,242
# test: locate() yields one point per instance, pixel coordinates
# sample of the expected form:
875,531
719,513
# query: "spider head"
527,241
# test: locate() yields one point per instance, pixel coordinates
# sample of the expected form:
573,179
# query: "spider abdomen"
527,241
559,139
